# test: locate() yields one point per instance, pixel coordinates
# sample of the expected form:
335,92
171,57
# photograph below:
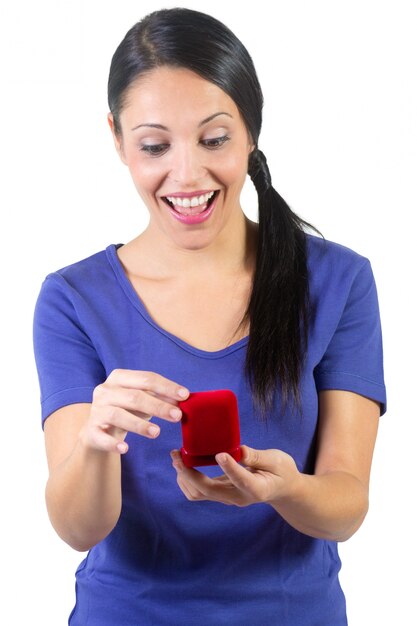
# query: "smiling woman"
180,155
205,299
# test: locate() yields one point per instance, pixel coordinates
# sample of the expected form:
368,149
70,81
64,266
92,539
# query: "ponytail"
278,310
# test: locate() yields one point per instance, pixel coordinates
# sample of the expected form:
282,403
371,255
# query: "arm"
332,503
84,443
83,491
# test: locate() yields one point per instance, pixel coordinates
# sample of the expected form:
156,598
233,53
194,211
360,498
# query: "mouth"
193,206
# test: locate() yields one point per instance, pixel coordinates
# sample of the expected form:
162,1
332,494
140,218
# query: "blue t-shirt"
170,561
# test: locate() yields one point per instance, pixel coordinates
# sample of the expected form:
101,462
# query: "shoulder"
327,256
334,267
87,280
85,268
325,251
85,273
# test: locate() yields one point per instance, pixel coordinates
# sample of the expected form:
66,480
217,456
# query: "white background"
339,81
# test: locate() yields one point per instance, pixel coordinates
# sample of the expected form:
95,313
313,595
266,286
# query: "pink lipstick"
199,217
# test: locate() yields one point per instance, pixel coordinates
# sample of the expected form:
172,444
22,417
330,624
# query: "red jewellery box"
210,424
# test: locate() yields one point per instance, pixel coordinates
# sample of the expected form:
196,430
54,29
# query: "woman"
206,299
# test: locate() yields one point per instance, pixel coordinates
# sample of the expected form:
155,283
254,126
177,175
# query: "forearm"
83,496
330,506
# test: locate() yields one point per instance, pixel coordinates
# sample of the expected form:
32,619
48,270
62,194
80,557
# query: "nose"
187,167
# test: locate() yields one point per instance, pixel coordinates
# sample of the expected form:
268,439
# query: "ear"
252,145
117,138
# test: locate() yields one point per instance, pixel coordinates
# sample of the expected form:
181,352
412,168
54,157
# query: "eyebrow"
205,121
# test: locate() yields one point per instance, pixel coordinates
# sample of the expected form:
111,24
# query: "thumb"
260,459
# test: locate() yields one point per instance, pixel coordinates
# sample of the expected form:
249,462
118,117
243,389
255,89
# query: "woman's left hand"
269,476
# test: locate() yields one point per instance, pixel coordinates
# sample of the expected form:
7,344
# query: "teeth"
191,202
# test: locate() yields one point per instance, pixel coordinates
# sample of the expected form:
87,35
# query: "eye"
154,149
215,143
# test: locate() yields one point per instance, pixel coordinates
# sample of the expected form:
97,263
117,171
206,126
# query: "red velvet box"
210,424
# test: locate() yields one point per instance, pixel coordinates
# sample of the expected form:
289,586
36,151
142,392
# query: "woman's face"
182,139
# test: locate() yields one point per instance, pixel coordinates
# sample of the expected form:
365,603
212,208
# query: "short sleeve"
353,359
67,363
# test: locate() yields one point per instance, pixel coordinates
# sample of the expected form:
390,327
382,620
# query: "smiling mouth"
192,210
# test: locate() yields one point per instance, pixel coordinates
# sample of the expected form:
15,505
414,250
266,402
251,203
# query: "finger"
194,478
268,460
197,486
187,487
241,478
176,456
190,492
184,489
164,398
101,440
117,417
218,489
137,400
148,381
179,464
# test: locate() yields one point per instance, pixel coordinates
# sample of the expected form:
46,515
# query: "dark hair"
278,309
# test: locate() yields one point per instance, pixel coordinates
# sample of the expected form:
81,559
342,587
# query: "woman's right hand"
124,403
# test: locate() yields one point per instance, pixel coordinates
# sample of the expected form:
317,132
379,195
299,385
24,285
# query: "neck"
227,256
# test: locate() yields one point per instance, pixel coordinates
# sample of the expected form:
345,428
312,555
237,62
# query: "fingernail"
153,431
221,458
175,413
183,393
122,447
